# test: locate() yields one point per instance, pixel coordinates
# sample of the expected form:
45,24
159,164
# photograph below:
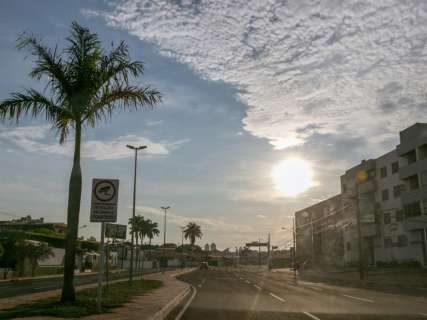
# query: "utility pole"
164,224
294,262
259,252
136,149
268,253
359,236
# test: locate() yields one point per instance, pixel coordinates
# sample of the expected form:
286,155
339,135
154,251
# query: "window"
384,195
395,167
348,246
413,183
402,241
411,157
423,152
387,242
383,172
397,190
412,210
400,215
425,206
387,218
423,178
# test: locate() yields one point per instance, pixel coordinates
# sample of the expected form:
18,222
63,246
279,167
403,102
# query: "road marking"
315,288
357,298
248,282
199,285
240,278
312,316
423,314
258,287
277,297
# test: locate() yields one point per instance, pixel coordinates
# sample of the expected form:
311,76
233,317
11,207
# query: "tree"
152,230
33,251
86,84
192,231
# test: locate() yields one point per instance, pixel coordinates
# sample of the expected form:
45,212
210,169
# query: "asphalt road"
236,294
15,288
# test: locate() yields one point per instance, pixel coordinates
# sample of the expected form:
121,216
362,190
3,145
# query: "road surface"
236,294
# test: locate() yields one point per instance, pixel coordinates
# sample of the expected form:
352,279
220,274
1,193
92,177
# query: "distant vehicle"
204,266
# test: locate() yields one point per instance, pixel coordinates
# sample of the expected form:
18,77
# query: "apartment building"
389,196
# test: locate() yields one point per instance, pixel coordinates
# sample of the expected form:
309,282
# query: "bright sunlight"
292,177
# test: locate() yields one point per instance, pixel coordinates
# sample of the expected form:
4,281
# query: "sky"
246,85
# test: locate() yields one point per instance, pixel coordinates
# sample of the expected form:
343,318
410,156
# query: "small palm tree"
86,84
192,231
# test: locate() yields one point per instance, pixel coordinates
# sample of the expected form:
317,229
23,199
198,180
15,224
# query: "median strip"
312,316
357,298
277,297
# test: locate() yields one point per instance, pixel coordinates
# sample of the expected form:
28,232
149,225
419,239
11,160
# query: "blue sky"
246,84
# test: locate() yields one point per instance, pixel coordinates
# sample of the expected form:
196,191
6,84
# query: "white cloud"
34,139
261,216
343,67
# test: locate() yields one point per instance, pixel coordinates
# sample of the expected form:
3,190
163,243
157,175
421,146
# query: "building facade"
387,196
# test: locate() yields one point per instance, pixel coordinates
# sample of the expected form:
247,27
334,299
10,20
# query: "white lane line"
240,278
258,287
357,298
248,282
316,288
199,285
312,316
277,297
423,314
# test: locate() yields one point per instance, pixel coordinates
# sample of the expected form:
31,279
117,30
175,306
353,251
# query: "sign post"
103,209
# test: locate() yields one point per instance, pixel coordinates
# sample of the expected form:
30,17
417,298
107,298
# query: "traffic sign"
104,200
117,231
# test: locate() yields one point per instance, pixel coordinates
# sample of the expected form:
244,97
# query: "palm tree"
153,230
85,85
136,227
192,231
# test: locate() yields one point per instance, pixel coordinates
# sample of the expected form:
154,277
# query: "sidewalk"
154,305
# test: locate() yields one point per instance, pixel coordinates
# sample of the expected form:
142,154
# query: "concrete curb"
164,312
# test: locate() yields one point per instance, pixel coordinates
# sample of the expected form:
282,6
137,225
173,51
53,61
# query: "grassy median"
115,296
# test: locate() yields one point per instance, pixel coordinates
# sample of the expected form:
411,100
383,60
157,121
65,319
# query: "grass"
115,296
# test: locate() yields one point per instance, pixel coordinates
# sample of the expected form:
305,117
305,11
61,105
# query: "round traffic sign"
105,191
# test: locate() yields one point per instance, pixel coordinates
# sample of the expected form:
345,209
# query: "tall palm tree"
85,85
192,231
153,230
136,227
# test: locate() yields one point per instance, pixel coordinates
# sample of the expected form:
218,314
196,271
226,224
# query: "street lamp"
164,224
136,149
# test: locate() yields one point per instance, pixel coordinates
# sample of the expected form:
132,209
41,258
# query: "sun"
292,177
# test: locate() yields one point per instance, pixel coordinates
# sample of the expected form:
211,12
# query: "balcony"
411,196
415,223
412,169
368,186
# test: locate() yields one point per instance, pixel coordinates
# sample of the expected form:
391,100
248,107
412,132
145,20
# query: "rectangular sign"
116,231
105,195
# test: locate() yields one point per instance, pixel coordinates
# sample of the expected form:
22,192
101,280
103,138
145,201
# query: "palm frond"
29,102
48,63
121,97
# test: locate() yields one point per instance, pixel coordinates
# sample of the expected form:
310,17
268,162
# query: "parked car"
204,266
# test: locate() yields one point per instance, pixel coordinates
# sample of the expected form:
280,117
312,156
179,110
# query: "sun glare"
292,177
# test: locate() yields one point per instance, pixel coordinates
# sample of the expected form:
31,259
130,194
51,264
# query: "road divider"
193,295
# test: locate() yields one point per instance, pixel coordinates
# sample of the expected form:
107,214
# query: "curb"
164,312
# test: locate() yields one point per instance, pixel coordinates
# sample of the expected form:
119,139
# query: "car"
204,266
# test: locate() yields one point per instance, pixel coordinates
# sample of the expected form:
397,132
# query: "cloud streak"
35,139
355,68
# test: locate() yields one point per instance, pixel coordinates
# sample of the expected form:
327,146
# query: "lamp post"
135,149
164,224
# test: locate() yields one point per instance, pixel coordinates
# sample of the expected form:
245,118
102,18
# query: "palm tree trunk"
73,211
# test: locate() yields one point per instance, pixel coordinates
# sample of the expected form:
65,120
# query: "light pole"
164,224
182,244
294,257
136,149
